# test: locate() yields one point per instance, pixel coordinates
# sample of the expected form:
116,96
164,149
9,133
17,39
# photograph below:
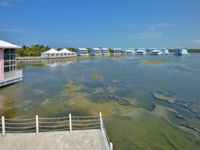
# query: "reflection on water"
148,102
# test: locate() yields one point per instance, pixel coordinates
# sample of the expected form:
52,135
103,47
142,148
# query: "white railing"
69,123
13,74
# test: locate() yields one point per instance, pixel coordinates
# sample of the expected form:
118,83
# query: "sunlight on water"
147,102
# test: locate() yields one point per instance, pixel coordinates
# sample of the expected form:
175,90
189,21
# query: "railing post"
3,125
111,146
70,123
37,125
101,121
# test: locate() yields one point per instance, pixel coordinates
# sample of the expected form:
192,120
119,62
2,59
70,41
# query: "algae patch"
186,67
155,62
96,76
163,97
73,87
86,106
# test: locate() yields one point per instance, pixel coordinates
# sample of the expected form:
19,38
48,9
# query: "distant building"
52,53
141,51
181,51
82,52
117,51
8,69
165,51
105,51
130,51
96,52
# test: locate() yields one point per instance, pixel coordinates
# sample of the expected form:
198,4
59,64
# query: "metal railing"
69,123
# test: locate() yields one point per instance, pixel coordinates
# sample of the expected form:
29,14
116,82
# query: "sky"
101,23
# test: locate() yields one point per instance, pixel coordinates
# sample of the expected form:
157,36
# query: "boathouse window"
9,60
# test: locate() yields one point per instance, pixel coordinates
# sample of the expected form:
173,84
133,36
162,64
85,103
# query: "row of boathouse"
52,53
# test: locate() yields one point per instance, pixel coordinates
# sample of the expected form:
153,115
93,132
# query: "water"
147,102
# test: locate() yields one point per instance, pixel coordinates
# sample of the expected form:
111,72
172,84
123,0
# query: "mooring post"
101,121
3,125
70,123
111,146
37,125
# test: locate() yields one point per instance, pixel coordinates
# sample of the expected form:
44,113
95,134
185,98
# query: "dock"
73,133
62,140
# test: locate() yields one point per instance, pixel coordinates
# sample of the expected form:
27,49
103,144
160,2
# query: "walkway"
76,140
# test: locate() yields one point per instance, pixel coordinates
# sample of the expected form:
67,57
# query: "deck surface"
63,140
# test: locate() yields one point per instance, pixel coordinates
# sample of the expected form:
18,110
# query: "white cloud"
197,41
162,25
152,28
10,30
150,35
5,4
129,25
8,3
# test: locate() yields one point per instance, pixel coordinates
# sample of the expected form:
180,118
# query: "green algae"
163,97
149,130
110,88
186,67
96,76
73,87
155,62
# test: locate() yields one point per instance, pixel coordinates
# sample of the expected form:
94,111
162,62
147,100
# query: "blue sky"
101,23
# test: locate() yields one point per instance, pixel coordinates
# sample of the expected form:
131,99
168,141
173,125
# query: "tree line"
36,50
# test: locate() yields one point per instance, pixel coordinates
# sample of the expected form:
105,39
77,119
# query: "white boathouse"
117,51
96,52
82,52
105,51
130,51
181,51
141,51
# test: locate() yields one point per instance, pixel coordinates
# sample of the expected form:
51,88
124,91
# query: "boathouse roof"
117,49
4,44
82,48
104,48
64,50
96,48
51,51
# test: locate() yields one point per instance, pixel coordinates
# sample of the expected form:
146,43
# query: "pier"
72,132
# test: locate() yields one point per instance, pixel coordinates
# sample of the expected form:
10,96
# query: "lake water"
147,102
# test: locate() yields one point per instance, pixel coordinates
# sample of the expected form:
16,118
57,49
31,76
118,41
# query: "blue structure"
181,51
96,52
82,52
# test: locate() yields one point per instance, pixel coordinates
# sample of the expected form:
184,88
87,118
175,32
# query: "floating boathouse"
8,69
